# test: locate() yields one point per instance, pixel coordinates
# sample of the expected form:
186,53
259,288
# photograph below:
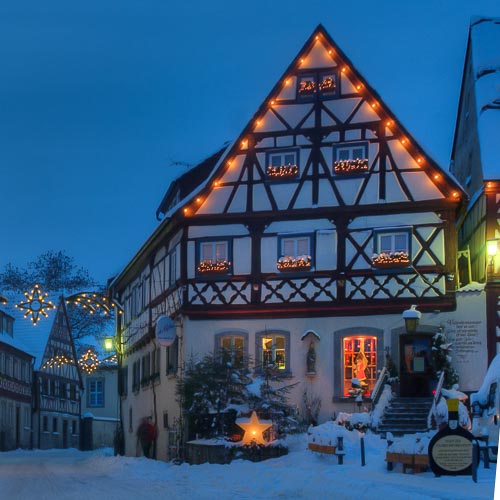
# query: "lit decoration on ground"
283,171
254,430
288,263
350,166
57,361
35,305
391,259
89,362
93,302
209,266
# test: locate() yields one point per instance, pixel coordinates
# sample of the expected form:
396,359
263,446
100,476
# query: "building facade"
311,233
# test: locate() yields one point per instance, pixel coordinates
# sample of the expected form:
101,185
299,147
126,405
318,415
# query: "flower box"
294,264
322,448
389,260
390,265
347,167
417,462
283,172
208,267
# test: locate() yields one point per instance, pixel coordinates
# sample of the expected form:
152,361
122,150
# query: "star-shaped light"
94,302
35,304
89,362
254,430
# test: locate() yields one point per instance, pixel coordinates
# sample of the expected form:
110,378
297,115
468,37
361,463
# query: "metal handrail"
377,390
437,397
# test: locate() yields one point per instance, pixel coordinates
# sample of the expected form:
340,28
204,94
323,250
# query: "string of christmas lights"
283,171
350,166
57,361
93,302
89,362
390,258
210,266
287,262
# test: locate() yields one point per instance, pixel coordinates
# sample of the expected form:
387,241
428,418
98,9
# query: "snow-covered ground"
71,474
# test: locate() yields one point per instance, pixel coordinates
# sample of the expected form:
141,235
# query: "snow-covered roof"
32,338
473,286
485,47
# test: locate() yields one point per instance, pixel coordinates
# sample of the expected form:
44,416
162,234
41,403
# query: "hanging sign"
166,331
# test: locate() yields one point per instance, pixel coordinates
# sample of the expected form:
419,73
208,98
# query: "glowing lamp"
492,247
108,343
436,176
412,318
254,430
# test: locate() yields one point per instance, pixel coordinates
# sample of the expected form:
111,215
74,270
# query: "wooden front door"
417,374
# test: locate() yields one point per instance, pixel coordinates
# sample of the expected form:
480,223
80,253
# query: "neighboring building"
476,164
16,375
101,403
315,229
57,384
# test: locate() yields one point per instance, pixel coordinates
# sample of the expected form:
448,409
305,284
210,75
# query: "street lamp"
492,249
412,318
108,343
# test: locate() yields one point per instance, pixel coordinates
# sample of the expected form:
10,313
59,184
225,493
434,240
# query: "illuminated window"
294,253
311,86
213,257
231,348
392,248
273,350
350,158
360,362
282,165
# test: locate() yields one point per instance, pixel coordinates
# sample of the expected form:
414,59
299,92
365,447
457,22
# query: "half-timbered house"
476,164
314,230
16,374
57,384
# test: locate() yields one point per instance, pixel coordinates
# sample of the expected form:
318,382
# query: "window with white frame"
273,350
213,257
95,392
351,158
392,247
231,348
282,165
295,253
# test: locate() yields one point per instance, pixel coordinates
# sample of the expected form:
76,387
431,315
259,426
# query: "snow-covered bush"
412,444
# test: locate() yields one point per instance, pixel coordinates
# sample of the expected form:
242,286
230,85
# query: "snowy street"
71,474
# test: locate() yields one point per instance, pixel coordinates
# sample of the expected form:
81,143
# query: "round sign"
166,331
450,452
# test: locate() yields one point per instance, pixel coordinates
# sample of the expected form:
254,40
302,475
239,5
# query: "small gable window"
213,257
312,86
392,248
295,253
282,165
273,350
350,158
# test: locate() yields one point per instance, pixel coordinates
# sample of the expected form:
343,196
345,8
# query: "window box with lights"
312,86
213,257
392,248
350,159
294,253
282,165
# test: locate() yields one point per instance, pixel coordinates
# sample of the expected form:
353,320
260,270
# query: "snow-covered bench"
329,449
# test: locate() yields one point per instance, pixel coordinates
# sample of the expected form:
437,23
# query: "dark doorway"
65,433
417,375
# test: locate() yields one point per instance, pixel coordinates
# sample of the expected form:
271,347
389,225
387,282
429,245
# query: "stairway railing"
435,401
377,390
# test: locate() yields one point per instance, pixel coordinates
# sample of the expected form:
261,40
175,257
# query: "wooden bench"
418,463
337,450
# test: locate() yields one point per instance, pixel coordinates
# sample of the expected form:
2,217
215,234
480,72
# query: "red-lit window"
360,361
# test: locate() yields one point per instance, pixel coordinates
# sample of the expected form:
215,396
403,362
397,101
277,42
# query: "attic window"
282,165
313,86
350,158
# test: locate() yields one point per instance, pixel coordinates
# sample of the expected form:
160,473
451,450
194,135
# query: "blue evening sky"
98,98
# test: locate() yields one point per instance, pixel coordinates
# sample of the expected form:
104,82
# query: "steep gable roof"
407,170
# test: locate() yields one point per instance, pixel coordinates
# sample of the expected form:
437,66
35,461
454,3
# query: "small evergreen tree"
441,352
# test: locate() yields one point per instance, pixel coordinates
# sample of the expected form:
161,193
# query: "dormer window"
350,158
311,86
282,165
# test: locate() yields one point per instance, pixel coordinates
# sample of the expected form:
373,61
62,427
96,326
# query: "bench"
337,450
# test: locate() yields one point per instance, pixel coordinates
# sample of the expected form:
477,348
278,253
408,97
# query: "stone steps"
406,416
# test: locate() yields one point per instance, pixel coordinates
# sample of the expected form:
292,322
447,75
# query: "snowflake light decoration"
35,304
93,302
89,362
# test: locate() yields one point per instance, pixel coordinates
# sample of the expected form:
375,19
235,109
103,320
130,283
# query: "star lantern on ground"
254,430
35,305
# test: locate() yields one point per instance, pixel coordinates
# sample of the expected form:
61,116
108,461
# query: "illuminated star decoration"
253,430
89,362
35,304
93,302
57,361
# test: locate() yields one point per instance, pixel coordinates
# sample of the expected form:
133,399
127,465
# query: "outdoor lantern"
108,343
412,318
492,248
